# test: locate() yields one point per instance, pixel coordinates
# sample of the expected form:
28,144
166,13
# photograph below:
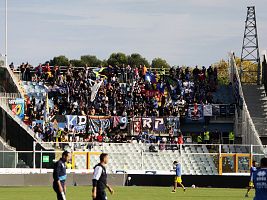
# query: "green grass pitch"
125,193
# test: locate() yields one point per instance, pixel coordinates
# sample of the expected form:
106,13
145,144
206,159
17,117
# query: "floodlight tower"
6,64
250,48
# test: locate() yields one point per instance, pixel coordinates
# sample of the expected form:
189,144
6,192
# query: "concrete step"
256,101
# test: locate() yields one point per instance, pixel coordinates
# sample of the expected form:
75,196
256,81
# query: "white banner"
207,110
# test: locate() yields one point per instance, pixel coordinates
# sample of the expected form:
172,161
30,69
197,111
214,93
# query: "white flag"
95,89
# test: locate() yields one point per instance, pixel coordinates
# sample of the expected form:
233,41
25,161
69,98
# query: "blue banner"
160,124
76,122
97,122
195,113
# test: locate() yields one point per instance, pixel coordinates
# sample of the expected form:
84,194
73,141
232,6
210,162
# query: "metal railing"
9,95
16,81
245,126
62,69
144,146
264,71
220,157
5,146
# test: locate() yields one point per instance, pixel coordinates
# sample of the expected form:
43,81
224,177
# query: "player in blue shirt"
60,176
260,181
177,167
252,169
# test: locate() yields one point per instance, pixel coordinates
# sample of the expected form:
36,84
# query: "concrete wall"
13,134
17,137
189,180
119,179
47,179
6,82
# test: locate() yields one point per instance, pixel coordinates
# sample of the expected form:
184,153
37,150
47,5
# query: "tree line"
115,59
135,59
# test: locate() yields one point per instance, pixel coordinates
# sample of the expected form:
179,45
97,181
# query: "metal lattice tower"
250,48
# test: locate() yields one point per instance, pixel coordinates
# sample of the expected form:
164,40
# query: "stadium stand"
127,157
67,91
224,94
143,118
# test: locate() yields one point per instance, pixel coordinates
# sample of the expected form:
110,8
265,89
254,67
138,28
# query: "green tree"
159,63
77,63
104,63
136,59
117,59
91,61
60,61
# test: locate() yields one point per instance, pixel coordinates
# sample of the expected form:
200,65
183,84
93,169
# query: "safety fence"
196,159
4,146
121,72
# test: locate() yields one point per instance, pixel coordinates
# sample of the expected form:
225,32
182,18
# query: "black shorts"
56,189
101,196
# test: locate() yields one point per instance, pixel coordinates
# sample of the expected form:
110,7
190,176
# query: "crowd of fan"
130,98
125,91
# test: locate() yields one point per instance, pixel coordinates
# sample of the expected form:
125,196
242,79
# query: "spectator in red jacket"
181,139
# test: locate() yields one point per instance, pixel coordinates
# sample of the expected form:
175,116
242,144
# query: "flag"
46,108
195,112
137,125
150,77
99,71
95,89
17,107
172,83
161,88
116,121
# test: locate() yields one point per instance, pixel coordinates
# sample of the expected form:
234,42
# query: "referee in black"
100,179
60,175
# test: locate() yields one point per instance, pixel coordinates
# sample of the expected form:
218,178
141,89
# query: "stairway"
14,80
4,146
256,101
14,86
31,136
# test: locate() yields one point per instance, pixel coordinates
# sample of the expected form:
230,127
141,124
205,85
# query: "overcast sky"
184,32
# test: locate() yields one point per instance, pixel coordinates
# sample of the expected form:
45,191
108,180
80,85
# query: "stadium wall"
47,179
12,133
120,179
6,82
215,181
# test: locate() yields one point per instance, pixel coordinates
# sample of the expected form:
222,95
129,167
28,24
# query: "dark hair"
65,153
254,161
264,162
102,156
175,162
